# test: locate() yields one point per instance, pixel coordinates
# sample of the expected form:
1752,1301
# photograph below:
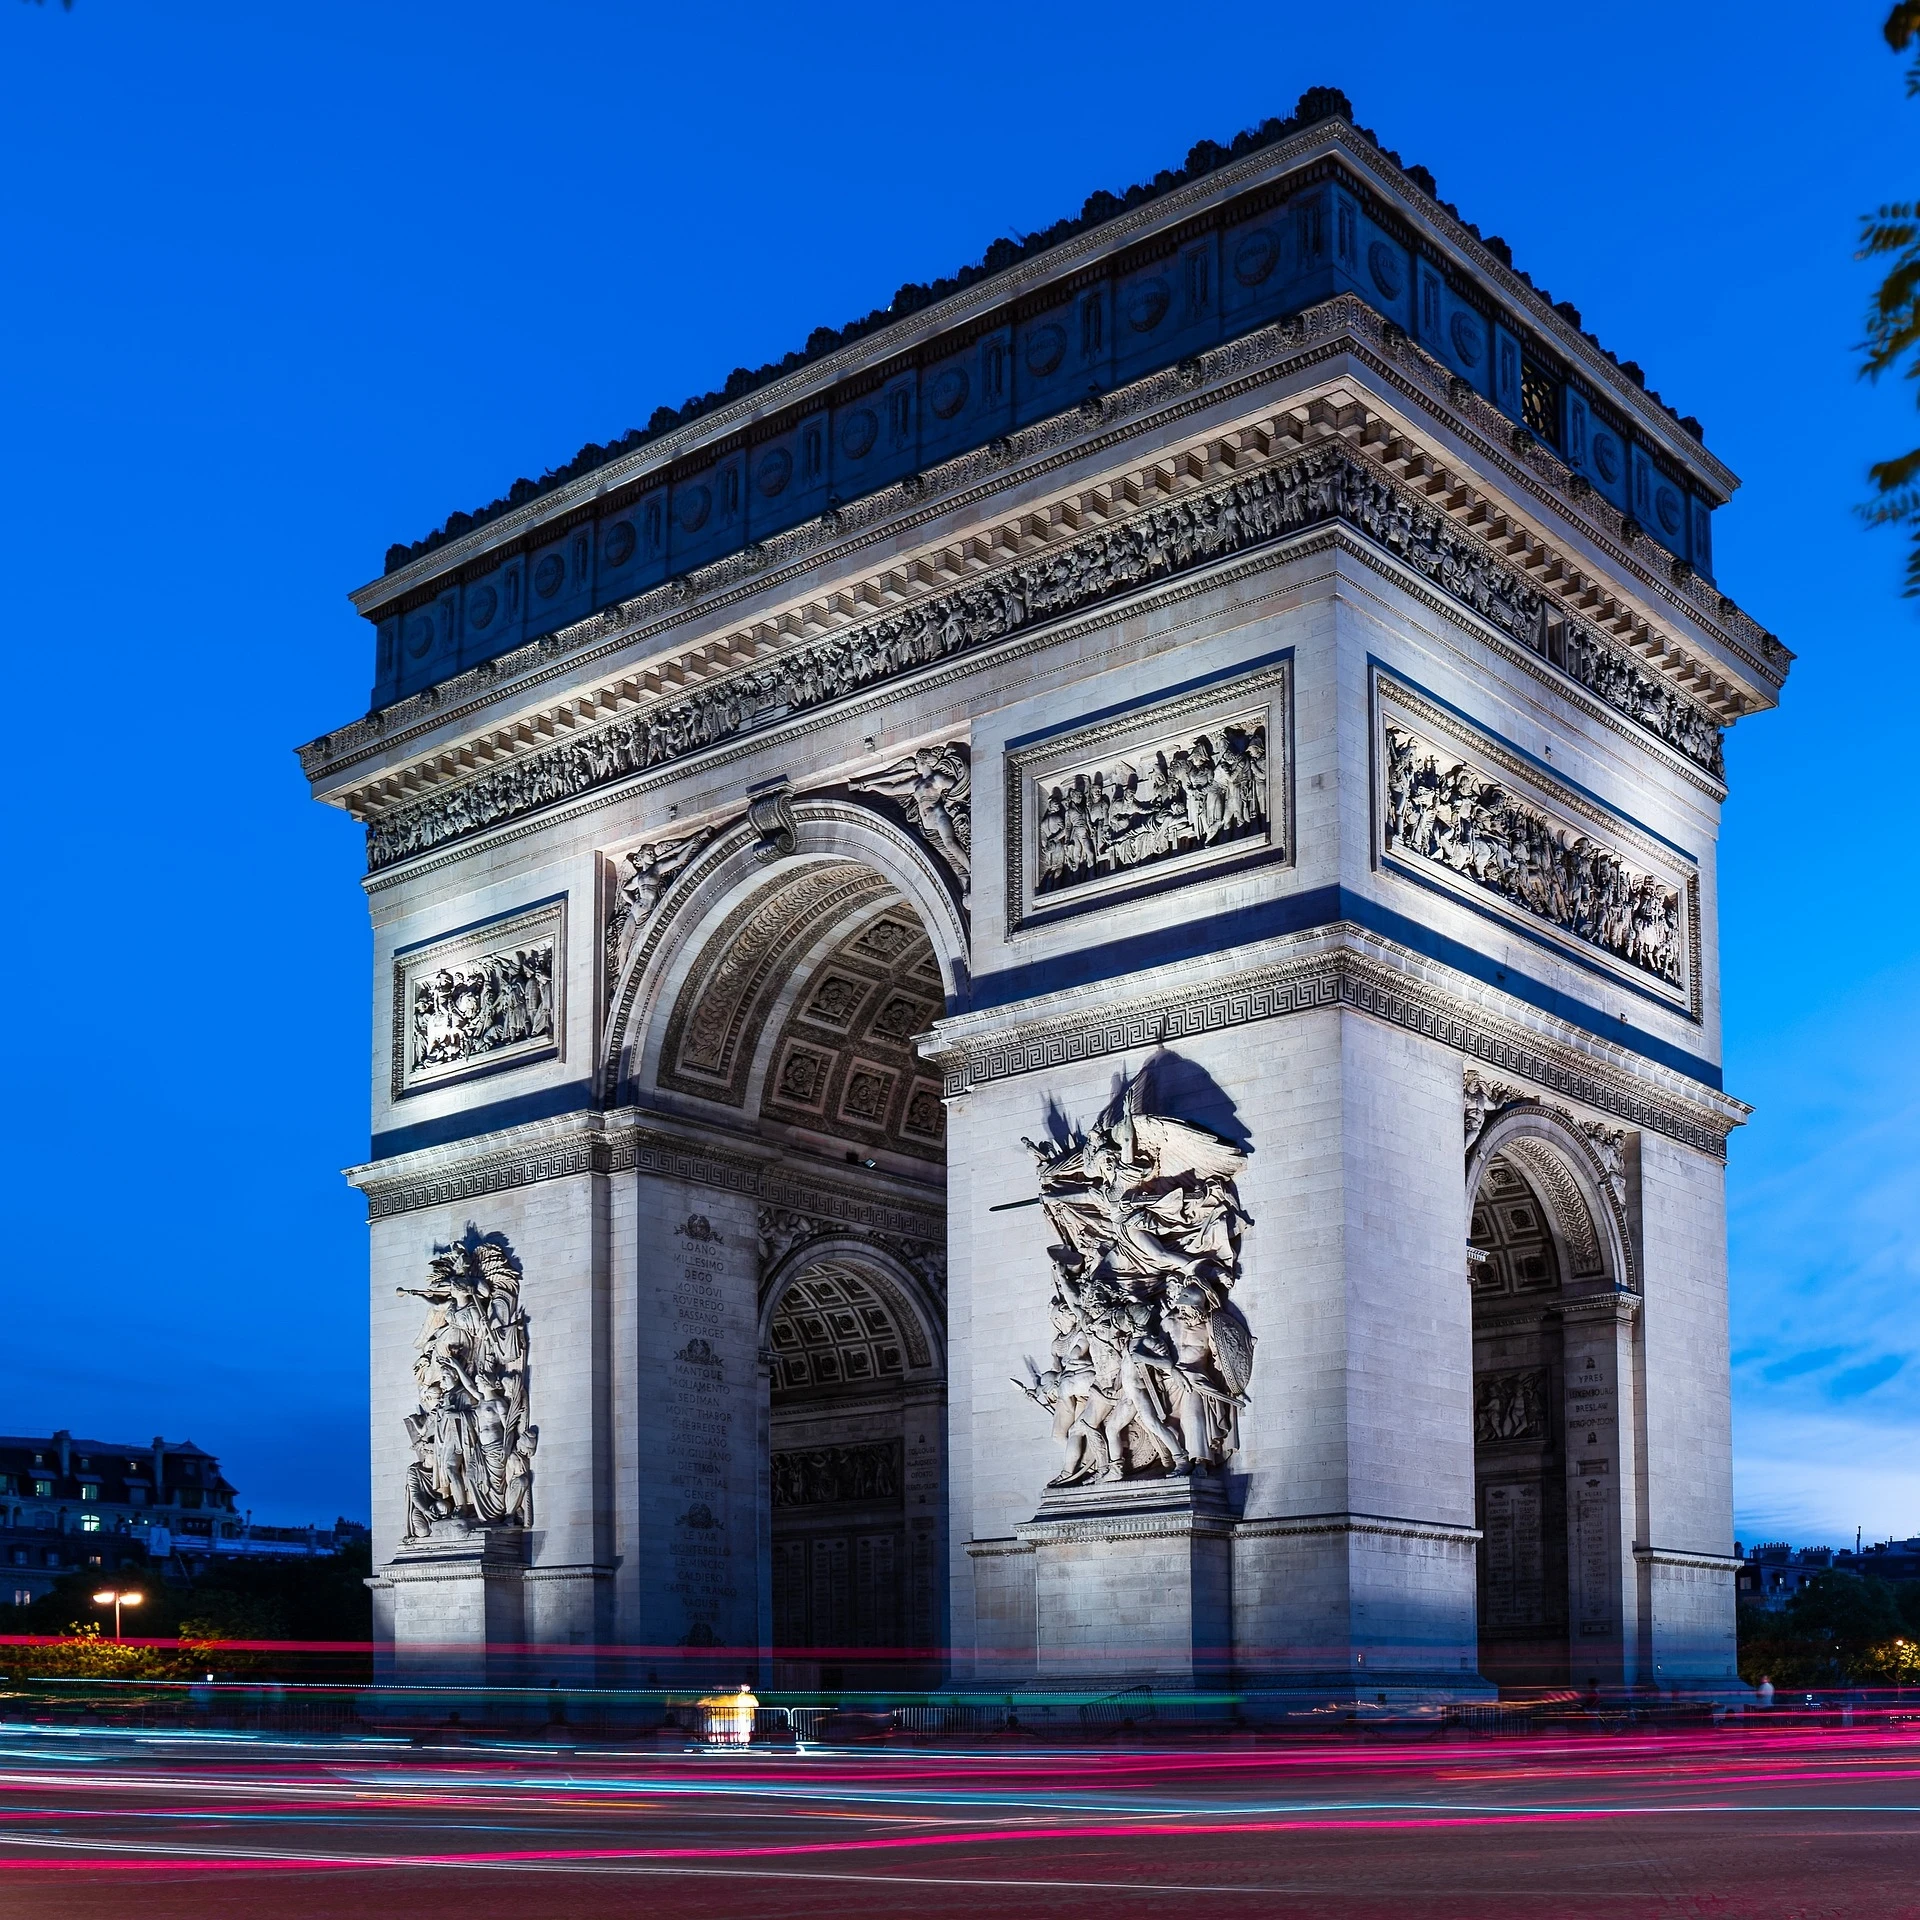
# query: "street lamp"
117,1600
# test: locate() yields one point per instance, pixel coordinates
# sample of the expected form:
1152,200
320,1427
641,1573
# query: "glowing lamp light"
116,1600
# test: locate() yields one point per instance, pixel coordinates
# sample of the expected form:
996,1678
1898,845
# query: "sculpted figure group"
1150,1360
1447,811
934,788
1208,791
1321,484
483,1005
472,1446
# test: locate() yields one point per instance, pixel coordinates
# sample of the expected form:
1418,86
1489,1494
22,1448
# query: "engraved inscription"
1515,1555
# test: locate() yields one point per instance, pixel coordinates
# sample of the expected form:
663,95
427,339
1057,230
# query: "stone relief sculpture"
1510,1406
1443,809
1165,799
815,1475
472,1446
648,872
1324,483
934,789
481,1006
1151,1359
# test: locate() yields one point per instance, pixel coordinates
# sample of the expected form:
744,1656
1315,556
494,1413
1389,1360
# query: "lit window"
44,1489
90,1493
23,1596
89,1523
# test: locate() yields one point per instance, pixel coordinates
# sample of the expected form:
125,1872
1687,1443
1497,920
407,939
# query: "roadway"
149,1826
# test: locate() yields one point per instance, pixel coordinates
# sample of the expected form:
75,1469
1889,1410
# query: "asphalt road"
1726,1824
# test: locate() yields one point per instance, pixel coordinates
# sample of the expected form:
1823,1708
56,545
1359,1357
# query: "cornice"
1343,966
1685,1557
1332,139
1242,368
636,1139
1280,1526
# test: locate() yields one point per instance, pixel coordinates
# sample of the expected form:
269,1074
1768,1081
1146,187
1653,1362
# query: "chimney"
159,1469
64,1441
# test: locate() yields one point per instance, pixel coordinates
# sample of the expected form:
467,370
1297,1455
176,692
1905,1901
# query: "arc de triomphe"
1046,997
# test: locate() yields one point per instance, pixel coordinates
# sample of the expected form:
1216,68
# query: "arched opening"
1542,1254
856,1400
778,999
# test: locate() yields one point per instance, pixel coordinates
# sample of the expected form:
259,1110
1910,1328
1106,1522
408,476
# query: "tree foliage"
1838,1630
1892,235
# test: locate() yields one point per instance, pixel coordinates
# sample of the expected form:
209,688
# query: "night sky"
285,284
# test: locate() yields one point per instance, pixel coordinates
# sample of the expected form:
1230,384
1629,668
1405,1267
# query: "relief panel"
1460,811
1158,795
481,999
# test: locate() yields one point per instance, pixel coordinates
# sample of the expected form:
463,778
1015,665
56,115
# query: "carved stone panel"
482,998
1151,1360
1162,794
470,1444
1460,811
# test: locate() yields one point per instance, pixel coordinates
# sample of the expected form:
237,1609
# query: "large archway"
776,998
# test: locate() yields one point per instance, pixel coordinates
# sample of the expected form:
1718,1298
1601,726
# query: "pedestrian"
1764,1693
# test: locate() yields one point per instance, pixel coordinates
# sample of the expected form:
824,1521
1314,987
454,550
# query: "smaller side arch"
903,1292
1560,1161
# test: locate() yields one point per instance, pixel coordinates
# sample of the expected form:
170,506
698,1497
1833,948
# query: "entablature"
1392,410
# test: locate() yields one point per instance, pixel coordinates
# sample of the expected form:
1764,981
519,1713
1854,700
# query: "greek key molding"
1368,979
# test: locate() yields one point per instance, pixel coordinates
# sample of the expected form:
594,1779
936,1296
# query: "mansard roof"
1397,246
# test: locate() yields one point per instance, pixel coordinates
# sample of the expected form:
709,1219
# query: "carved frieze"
471,1444
1151,1360
1463,812
479,999
1323,484
816,1476
1185,786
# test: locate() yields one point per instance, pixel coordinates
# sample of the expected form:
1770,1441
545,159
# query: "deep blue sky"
285,284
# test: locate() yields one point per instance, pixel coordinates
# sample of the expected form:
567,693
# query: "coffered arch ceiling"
833,963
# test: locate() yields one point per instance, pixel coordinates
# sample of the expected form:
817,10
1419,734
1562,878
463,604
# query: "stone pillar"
457,1603
1603,1592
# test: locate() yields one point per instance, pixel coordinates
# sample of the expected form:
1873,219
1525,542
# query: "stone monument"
1047,995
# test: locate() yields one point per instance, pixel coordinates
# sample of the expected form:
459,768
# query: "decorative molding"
1361,972
1606,1150
786,1230
1683,1557
1157,795
1324,483
623,1141
1282,1527
480,999
1459,810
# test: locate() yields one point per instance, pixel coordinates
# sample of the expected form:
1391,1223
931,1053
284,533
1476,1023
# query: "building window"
43,1489
85,1463
1540,403
89,1523
136,1496
23,1596
19,1556
90,1493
